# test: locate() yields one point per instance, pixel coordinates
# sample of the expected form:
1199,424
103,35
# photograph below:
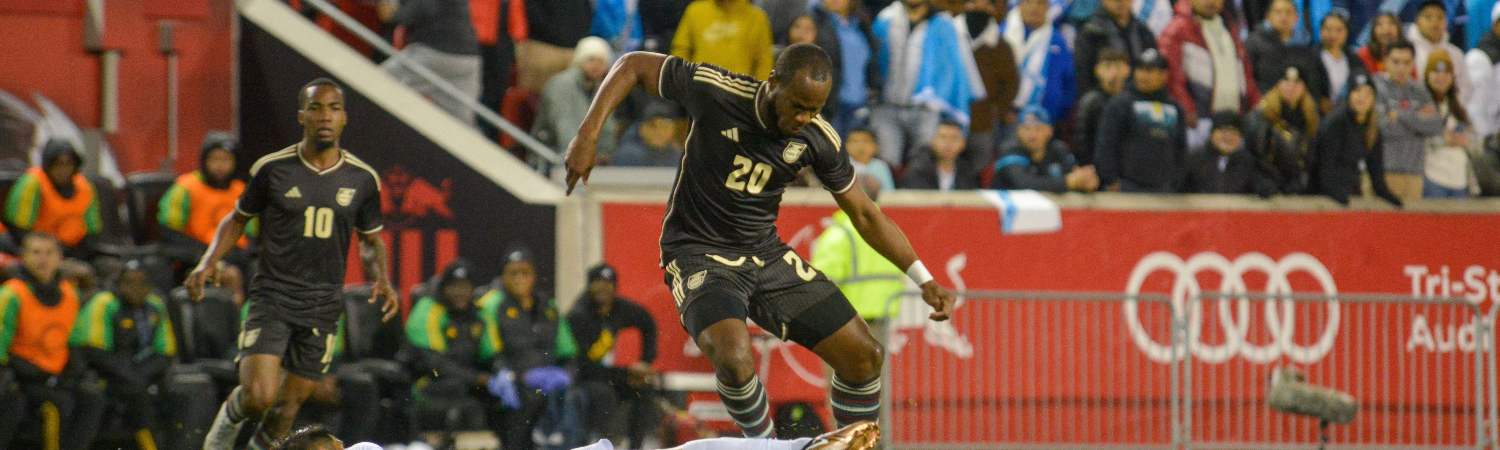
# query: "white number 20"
317,222
760,173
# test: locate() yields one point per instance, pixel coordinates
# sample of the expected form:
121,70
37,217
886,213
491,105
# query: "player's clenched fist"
939,298
200,275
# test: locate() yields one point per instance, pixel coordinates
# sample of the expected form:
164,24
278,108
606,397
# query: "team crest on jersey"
696,280
345,196
792,152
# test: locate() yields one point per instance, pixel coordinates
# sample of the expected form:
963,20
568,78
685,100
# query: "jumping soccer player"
723,259
308,196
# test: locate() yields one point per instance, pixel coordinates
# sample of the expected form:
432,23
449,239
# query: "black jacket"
922,173
1240,174
590,327
1282,148
1141,142
1339,150
1086,125
1320,84
559,22
1102,32
1017,170
1269,58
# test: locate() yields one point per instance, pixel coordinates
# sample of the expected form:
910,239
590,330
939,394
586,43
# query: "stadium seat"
142,193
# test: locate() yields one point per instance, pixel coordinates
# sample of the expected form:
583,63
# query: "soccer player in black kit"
723,259
309,196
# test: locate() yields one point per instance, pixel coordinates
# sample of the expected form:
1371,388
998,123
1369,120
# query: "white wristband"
918,273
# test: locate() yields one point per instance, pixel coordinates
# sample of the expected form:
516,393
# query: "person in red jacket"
1208,69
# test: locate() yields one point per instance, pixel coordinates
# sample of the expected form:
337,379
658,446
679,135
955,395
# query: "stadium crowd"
1339,98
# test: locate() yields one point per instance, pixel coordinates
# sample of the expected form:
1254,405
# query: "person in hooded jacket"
56,199
536,351
621,396
1281,129
453,345
189,212
1349,160
1141,145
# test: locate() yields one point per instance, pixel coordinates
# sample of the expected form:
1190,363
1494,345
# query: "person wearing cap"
536,346
189,212
1226,167
441,38
1482,61
40,376
1209,68
652,142
1428,34
1281,129
56,199
1141,145
947,168
126,335
1447,172
1408,117
1277,44
1348,148
1110,75
620,395
566,97
1039,162
453,346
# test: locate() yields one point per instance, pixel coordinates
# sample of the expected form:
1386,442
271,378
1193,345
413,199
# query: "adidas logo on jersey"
294,193
733,134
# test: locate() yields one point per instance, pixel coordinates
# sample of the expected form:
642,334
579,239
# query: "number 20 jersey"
736,164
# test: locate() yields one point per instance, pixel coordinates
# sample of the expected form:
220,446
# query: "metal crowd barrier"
1106,370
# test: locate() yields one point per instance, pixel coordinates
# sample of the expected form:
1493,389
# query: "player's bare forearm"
231,228
376,245
878,230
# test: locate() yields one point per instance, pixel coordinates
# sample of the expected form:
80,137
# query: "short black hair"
304,438
1112,54
302,94
807,59
1431,4
1402,44
862,129
950,122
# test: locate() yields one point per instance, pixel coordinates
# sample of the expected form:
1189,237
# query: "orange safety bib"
42,331
62,217
208,206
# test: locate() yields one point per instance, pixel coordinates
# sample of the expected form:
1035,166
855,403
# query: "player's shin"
749,406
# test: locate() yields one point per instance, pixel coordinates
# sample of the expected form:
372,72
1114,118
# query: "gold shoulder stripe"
726,79
724,87
827,129
280,154
356,162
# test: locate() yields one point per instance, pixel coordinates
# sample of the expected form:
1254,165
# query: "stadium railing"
1189,370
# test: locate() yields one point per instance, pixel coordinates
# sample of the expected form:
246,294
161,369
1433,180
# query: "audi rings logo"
1236,323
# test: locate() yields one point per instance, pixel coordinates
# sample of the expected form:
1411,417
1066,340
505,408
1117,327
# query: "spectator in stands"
56,199
1429,35
566,99
732,34
1039,162
1274,46
1281,131
659,20
535,343
452,345
439,37
1407,116
553,27
844,32
862,148
1447,172
1141,145
1384,32
1330,80
190,211
782,15
126,336
996,64
866,278
804,31
1209,69
1113,26
921,83
1109,73
653,141
621,397
1046,68
947,168
1484,100
1349,148
1226,167
37,311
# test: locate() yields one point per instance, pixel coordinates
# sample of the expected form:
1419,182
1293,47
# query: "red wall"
41,50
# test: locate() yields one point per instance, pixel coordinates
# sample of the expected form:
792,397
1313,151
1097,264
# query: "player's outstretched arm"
885,237
634,69
381,289
229,232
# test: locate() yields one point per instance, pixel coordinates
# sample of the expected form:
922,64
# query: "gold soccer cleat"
856,436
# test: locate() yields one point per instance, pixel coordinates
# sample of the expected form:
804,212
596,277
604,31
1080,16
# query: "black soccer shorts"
778,290
304,351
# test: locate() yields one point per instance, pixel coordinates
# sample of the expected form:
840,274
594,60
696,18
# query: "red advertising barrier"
1405,364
